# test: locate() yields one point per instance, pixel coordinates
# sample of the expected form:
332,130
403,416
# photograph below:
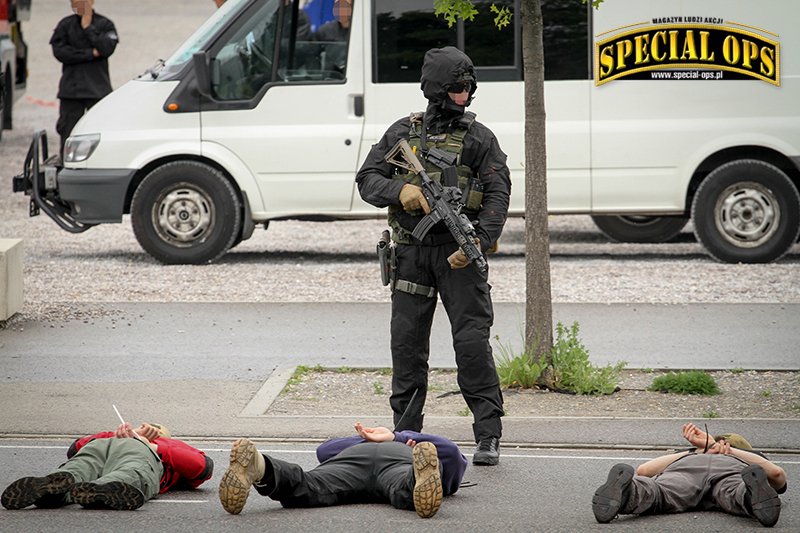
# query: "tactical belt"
414,288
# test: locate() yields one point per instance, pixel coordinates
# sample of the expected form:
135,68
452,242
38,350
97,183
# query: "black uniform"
84,78
465,292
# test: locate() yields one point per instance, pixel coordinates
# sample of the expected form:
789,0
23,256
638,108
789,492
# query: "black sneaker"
487,452
114,495
47,491
613,495
760,498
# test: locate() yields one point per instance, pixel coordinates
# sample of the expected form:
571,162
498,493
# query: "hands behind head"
144,432
696,436
720,447
378,434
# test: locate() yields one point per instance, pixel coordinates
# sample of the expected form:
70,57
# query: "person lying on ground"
117,470
406,469
722,473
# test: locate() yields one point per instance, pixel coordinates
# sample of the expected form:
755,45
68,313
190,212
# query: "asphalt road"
531,490
246,340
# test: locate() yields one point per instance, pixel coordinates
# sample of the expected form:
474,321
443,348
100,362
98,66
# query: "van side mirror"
200,64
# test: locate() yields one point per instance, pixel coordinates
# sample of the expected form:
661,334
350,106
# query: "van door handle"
358,105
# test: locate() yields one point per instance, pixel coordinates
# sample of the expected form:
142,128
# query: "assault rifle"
445,203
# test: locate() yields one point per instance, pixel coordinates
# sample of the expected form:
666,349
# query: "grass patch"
689,382
711,414
377,388
571,367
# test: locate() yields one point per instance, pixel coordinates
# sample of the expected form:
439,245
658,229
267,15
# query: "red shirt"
182,463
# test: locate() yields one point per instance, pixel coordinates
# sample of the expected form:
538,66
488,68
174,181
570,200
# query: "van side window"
402,35
246,61
566,39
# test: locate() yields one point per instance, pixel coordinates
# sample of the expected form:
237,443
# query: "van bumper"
95,195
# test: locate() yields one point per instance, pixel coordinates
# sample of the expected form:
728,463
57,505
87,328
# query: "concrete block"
11,255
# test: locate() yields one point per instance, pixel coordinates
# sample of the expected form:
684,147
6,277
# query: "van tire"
186,212
640,228
747,211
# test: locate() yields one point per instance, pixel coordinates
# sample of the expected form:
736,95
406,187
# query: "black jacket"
481,151
82,74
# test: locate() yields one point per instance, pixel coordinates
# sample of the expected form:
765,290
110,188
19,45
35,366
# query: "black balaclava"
442,68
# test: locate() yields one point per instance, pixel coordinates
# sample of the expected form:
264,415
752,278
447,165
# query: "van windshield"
204,33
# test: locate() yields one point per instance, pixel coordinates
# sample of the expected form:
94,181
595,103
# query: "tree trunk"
538,302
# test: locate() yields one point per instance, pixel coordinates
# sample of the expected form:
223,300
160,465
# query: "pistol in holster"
386,259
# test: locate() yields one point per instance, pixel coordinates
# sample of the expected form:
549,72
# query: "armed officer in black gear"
436,264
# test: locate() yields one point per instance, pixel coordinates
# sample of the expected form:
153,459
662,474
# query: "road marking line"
505,455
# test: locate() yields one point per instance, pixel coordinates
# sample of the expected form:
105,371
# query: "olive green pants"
127,460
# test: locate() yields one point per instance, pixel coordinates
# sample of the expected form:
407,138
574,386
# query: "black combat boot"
487,452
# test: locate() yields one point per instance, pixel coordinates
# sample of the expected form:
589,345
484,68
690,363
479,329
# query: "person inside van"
334,35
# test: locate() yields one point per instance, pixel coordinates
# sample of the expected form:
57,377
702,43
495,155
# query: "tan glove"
412,199
458,259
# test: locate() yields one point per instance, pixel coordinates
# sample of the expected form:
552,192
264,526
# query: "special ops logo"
696,46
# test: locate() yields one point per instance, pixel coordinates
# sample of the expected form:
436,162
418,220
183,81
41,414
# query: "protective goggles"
460,87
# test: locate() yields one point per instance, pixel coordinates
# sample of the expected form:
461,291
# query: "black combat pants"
70,111
466,299
370,472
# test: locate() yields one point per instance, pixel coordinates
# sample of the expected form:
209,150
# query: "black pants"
466,299
70,111
371,472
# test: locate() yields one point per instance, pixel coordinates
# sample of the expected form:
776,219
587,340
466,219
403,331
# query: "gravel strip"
746,394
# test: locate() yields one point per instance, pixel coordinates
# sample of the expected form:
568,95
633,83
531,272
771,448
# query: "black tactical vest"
453,142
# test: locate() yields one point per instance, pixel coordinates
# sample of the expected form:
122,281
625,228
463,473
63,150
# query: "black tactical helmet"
445,69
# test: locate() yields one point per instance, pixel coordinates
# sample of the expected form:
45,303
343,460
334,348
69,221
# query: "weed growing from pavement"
297,375
710,414
377,388
766,393
464,412
571,367
737,370
689,382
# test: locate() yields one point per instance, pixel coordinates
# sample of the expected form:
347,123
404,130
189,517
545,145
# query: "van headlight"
79,147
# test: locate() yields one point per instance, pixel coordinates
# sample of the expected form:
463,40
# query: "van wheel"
186,212
640,228
747,211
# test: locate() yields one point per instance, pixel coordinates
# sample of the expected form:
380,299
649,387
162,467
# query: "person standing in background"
82,42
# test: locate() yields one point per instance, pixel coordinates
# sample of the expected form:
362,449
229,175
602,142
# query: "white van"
656,112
